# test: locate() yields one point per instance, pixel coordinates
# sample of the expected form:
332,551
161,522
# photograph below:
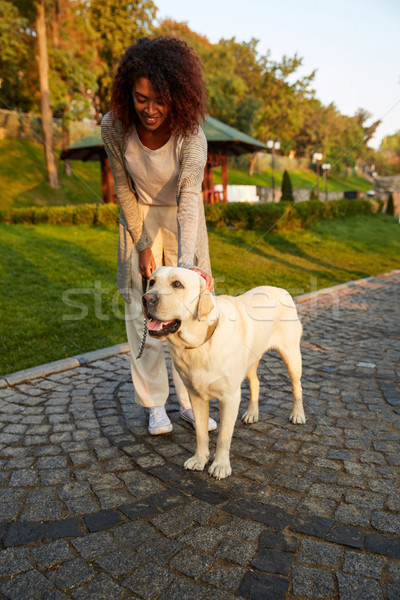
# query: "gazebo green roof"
221,138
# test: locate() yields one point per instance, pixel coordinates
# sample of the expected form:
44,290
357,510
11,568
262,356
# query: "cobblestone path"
92,507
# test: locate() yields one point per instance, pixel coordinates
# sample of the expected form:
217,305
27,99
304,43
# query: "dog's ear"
204,305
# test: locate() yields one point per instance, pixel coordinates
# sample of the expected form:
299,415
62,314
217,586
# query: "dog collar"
210,332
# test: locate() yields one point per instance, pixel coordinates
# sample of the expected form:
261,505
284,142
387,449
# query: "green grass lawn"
23,179
57,284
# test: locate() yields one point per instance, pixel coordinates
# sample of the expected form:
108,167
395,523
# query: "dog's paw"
250,416
195,463
220,470
298,418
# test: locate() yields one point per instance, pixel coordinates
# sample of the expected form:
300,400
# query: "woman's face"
152,113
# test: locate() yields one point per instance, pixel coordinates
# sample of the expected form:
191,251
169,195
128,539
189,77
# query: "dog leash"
144,335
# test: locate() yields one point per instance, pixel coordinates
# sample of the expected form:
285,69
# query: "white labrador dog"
215,342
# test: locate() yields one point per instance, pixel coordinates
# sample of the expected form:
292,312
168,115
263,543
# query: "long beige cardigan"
192,231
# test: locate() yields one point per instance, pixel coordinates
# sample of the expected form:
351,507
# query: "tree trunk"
47,114
65,144
253,161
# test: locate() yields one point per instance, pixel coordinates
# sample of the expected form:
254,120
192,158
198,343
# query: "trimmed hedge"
283,215
81,214
238,215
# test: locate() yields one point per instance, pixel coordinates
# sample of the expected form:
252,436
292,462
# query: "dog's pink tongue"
155,325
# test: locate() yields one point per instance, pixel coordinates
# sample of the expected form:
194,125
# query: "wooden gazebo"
223,141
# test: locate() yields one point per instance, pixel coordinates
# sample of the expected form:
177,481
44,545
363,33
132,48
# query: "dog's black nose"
150,300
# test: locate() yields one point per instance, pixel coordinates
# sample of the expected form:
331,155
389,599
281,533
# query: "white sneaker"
159,421
187,415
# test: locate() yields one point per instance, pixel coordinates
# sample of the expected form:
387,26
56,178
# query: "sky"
354,45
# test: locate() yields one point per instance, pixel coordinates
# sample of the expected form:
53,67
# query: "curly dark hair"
176,73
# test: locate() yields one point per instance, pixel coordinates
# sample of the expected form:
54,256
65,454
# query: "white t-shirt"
154,172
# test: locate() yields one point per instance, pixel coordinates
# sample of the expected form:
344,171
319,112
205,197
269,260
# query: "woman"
157,153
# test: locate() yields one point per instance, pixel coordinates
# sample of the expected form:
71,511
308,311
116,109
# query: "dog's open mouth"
158,328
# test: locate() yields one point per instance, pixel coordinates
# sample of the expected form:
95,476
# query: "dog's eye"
177,284
151,282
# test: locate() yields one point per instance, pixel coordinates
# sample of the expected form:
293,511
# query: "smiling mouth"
157,328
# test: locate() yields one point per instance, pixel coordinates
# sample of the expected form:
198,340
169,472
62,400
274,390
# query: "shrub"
390,205
287,188
106,214
61,215
84,214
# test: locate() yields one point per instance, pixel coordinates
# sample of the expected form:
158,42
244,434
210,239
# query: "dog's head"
175,298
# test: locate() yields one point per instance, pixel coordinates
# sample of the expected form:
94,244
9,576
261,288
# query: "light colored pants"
149,372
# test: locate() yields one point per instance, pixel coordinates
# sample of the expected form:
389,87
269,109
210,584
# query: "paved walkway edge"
82,359
62,365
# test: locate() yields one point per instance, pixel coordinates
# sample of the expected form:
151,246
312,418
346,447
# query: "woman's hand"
147,264
209,280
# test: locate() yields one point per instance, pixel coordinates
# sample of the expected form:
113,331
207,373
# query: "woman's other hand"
147,264
209,280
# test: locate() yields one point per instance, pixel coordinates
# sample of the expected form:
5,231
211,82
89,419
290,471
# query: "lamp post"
325,168
273,145
317,158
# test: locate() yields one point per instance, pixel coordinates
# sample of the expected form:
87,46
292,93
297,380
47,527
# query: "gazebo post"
209,180
224,165
107,181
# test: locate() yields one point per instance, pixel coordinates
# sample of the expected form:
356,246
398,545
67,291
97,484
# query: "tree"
17,60
287,189
47,114
390,205
74,64
117,23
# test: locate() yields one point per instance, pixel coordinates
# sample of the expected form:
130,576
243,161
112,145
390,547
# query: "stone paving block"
235,552
349,514
140,508
120,562
50,554
64,528
272,561
23,477
74,489
101,588
386,522
54,595
29,586
191,563
149,581
13,561
42,511
9,512
257,586
95,545
172,523
315,526
24,532
382,544
245,530
180,588
160,549
199,511
312,583
103,520
54,476
70,574
352,587
83,505
347,536
361,564
226,578
318,553
133,534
